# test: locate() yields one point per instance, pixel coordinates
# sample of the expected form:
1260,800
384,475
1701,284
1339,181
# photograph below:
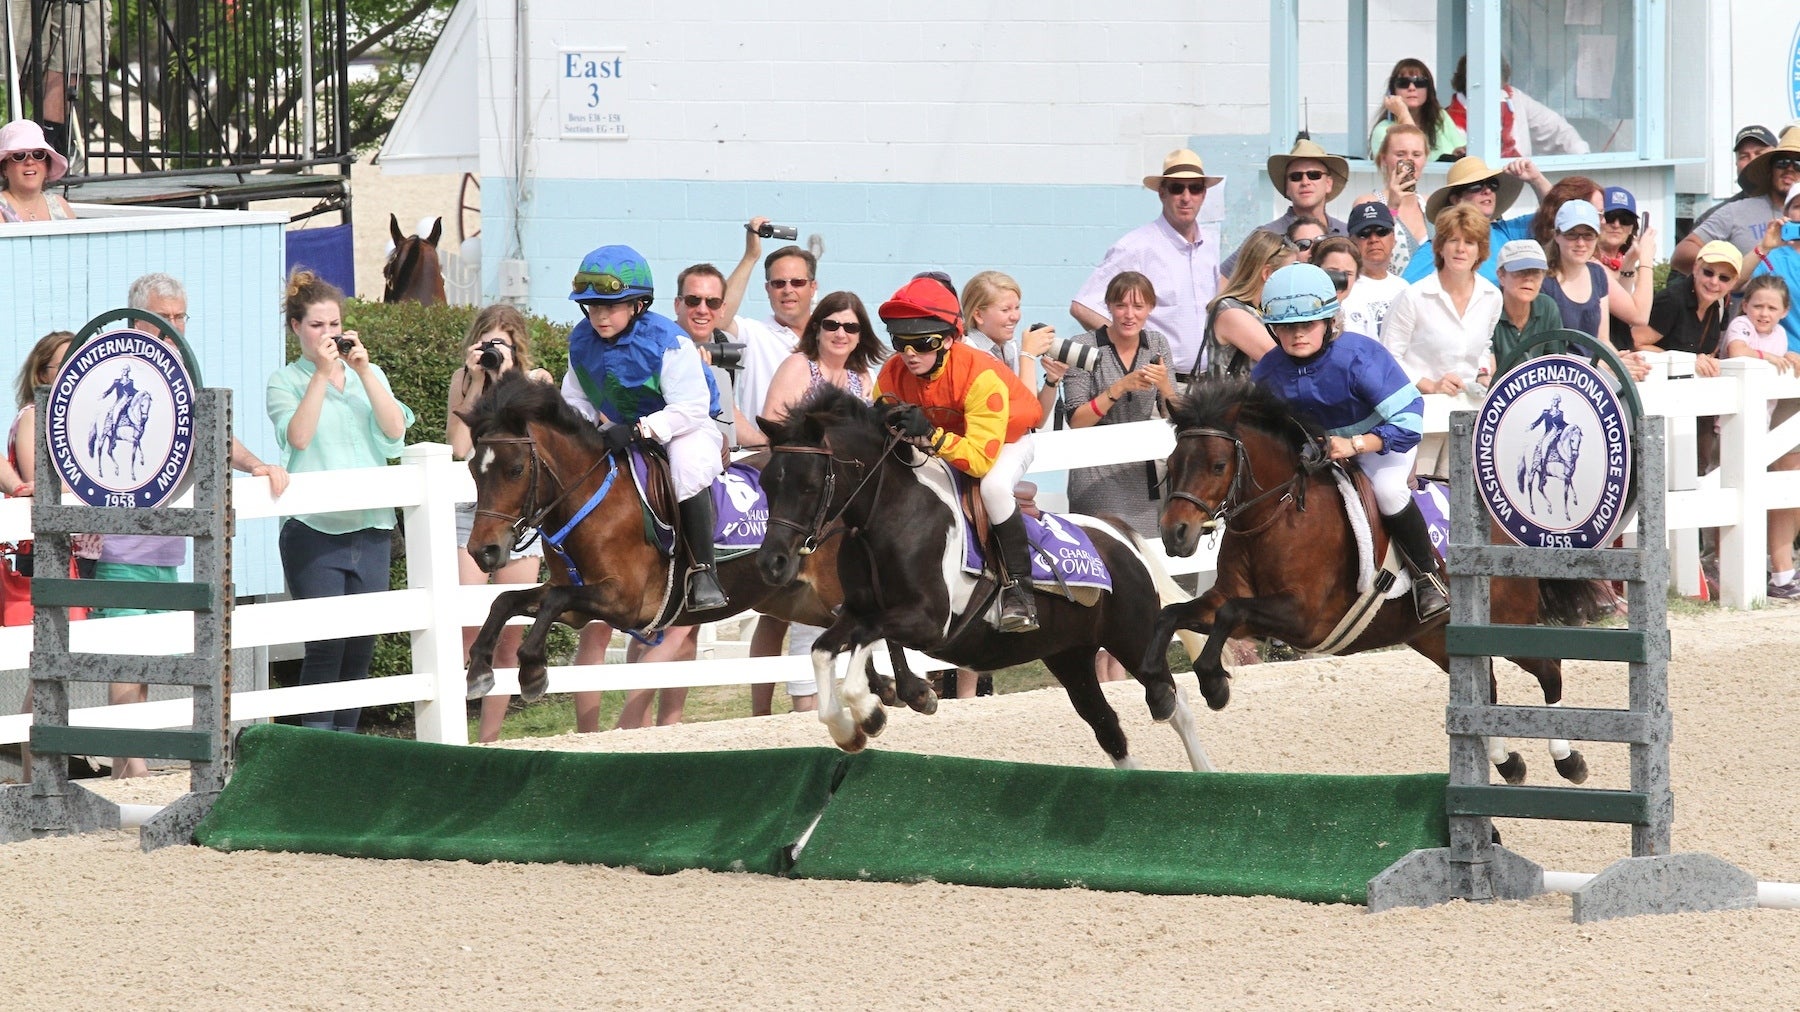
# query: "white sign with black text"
590,91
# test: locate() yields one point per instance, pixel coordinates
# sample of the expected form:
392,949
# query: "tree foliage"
403,32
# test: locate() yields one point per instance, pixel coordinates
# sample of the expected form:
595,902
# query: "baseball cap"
1523,255
1754,132
1793,192
1372,214
1721,252
1576,213
1618,198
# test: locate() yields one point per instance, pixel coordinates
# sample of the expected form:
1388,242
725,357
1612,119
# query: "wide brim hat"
1759,176
1182,164
25,135
1474,170
1337,167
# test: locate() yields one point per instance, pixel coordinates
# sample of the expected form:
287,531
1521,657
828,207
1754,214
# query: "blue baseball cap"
1618,198
1372,214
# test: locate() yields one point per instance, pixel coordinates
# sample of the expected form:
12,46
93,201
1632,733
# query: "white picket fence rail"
434,608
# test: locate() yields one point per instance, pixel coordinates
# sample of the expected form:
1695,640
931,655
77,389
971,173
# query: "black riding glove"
617,437
1313,457
909,420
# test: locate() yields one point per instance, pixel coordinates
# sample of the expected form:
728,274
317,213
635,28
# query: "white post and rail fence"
433,607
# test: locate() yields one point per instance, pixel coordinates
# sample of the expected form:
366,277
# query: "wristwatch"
1356,444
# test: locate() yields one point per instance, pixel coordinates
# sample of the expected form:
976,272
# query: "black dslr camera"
726,354
490,357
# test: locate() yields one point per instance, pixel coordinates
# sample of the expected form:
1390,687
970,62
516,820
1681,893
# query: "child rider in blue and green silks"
638,376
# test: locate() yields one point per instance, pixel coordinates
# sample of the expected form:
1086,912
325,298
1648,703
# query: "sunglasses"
780,283
1340,280
833,326
1301,245
1485,185
1712,275
1412,82
1313,174
1779,164
38,155
693,302
1177,189
1623,219
1377,231
920,343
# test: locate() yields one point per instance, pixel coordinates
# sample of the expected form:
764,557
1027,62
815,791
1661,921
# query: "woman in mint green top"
332,409
1412,98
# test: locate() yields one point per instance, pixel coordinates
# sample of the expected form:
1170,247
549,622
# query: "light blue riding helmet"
1298,293
612,274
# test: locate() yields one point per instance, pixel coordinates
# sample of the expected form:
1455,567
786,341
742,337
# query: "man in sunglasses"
790,277
965,406
1366,304
635,374
1309,179
1743,221
1170,251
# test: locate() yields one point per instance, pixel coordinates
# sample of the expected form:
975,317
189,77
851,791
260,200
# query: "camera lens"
490,358
344,345
1074,354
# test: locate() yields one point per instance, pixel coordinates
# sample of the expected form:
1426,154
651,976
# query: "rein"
528,525
1292,490
814,535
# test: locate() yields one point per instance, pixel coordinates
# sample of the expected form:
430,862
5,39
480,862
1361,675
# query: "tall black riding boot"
1413,538
703,590
1018,611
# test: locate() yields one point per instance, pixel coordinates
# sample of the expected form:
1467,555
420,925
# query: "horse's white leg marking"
485,460
1559,747
831,710
1183,721
1497,750
857,695
1128,763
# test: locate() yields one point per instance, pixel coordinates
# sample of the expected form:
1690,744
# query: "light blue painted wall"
233,274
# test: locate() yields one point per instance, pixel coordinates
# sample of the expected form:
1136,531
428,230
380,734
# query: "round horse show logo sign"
1553,454
121,420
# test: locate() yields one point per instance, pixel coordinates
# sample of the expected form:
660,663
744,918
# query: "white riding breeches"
694,460
1389,474
997,485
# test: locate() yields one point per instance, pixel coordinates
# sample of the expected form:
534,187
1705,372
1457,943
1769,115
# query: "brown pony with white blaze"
412,272
537,463
1288,563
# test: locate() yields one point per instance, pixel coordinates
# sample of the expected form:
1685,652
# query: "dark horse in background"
832,460
412,271
1288,563
536,462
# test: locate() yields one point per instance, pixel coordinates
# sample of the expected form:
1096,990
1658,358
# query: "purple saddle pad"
1053,539
1433,498
740,509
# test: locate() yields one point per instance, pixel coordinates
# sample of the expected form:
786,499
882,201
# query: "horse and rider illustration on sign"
1553,452
120,422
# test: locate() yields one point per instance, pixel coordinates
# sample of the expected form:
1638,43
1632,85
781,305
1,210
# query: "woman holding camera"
498,342
333,409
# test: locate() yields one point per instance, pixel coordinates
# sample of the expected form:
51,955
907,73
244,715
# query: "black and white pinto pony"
834,462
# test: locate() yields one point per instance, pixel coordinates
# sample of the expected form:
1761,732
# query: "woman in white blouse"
1441,328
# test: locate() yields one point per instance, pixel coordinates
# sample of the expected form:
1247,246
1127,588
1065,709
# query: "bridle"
813,535
1220,514
527,526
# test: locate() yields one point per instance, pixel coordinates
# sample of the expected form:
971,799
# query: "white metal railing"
434,607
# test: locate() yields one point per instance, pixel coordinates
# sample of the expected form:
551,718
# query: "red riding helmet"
922,306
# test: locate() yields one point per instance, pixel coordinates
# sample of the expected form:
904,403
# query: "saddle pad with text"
1051,538
740,510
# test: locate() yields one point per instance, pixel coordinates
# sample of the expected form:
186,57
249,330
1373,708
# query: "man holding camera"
1309,179
1172,253
789,277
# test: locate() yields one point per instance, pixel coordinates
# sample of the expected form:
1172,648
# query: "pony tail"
1573,602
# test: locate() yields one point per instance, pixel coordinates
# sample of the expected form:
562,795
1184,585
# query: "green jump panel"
899,817
311,791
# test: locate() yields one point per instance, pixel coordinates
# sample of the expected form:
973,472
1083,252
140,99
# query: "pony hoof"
874,723
883,687
1573,768
1161,701
925,704
532,686
1513,769
480,684
858,741
1217,691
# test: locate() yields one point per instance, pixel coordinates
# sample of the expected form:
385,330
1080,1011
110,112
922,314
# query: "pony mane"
828,403
515,401
1227,403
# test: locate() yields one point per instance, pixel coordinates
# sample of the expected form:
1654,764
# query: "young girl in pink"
1759,332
